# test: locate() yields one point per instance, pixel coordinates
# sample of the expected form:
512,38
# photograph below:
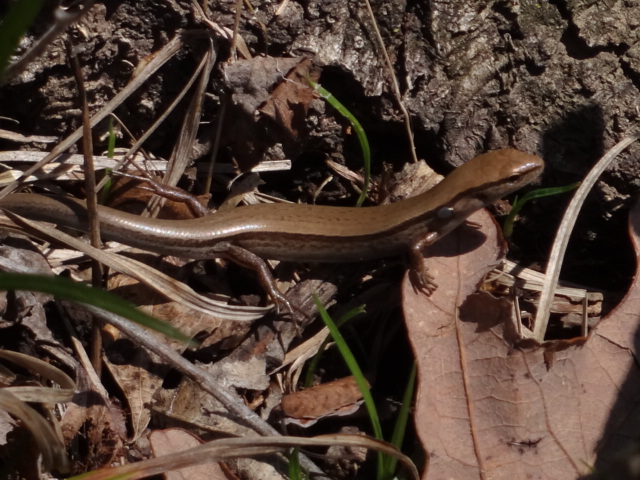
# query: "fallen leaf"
289,101
164,442
189,404
252,81
95,427
489,408
337,398
139,373
262,96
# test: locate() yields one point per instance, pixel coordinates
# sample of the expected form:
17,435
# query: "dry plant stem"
184,146
281,8
180,156
40,367
154,63
89,168
562,237
236,25
63,18
92,376
69,168
231,401
394,83
222,32
204,9
54,456
92,203
249,447
138,144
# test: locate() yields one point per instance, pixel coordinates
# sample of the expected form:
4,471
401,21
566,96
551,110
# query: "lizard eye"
444,213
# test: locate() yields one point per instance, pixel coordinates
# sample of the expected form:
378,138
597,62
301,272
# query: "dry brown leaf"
488,409
251,133
209,329
139,373
18,256
95,427
173,440
190,404
241,372
289,101
7,425
306,407
253,80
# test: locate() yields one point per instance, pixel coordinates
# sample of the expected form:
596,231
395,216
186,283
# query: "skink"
307,233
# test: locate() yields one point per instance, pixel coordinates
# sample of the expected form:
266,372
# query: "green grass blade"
357,127
105,192
312,366
111,142
518,203
361,381
66,289
400,428
295,470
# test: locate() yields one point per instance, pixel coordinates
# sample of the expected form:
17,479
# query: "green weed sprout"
357,127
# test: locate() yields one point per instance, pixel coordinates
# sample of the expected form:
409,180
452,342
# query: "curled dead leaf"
306,407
